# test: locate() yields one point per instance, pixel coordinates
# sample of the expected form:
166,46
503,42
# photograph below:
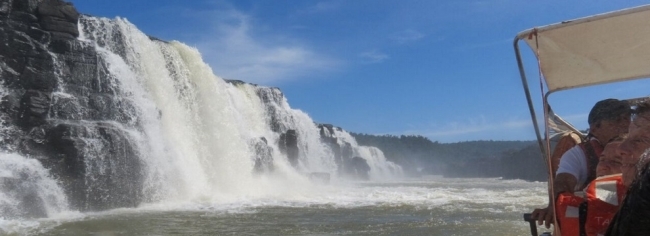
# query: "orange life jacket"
567,211
592,214
604,196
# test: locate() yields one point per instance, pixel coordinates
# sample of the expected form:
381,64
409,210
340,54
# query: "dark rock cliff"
348,164
59,108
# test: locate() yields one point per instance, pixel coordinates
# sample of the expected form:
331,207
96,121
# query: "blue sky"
442,69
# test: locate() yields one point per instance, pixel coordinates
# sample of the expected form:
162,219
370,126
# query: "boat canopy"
599,49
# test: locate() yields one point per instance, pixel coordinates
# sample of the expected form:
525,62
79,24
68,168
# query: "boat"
607,48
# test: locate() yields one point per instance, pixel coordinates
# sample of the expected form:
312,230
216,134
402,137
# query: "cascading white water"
5,130
196,134
27,190
182,167
314,156
201,126
380,168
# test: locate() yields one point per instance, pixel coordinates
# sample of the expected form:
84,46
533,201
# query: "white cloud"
373,56
323,6
407,36
234,50
475,46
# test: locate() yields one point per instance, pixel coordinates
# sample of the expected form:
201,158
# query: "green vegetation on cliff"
420,156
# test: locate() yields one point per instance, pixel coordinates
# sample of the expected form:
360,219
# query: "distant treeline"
420,156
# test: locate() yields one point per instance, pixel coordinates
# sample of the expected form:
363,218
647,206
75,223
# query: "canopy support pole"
531,107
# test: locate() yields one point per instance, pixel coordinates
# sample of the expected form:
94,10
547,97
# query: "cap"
609,109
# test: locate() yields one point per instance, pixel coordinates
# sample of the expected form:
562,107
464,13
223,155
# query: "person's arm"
565,181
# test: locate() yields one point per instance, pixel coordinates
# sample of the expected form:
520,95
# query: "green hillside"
420,156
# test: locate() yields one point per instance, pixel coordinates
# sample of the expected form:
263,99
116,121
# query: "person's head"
637,141
638,138
634,166
609,118
610,159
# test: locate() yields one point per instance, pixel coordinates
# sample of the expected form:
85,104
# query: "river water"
425,206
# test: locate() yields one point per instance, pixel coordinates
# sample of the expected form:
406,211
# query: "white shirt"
574,162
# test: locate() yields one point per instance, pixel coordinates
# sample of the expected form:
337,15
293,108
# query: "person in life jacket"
633,217
566,141
590,211
608,119
637,142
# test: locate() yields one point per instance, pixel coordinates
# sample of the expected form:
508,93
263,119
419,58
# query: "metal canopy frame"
599,49
550,45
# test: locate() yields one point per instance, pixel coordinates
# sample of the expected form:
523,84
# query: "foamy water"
415,205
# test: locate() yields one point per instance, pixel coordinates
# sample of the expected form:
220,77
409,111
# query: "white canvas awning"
599,49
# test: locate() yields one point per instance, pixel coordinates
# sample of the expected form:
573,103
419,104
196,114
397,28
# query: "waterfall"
195,131
27,189
143,121
380,168
314,155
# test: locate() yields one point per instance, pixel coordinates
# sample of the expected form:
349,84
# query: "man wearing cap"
608,119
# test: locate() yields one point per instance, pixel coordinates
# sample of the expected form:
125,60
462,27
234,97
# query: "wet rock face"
60,106
327,137
272,97
100,163
263,158
289,145
348,164
344,154
357,167
59,18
